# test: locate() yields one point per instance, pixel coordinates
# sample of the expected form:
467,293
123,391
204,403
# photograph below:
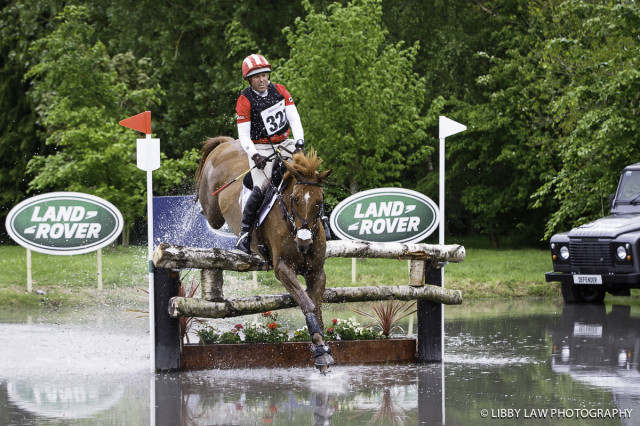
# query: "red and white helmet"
255,64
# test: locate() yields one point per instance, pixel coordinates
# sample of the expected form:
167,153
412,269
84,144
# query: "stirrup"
244,242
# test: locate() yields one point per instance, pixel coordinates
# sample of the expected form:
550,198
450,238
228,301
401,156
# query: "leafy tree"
81,93
19,26
592,54
358,96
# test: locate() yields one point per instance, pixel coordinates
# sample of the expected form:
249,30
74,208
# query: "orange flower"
266,314
272,325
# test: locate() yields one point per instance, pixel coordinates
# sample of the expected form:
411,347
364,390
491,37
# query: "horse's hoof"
322,356
324,369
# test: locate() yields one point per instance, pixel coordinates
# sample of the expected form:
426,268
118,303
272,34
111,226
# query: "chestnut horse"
292,231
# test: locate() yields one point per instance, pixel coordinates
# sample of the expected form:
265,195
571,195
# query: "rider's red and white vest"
266,113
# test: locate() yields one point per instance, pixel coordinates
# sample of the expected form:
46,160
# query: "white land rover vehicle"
602,256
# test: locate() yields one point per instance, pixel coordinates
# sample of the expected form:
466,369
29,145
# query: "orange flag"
140,122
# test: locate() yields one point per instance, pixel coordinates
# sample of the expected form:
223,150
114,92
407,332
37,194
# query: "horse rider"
265,111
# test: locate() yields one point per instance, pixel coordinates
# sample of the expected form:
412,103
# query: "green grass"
67,280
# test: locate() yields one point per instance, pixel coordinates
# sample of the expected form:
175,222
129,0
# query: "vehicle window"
630,185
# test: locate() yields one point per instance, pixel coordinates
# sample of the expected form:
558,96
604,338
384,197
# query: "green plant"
350,330
301,335
387,314
209,335
268,331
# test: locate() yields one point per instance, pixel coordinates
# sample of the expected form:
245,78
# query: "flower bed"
267,344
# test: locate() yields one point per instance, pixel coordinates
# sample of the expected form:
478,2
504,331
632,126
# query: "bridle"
290,216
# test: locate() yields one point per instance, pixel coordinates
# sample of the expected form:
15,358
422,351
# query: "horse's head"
306,198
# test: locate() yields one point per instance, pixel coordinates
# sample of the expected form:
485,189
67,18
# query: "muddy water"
528,362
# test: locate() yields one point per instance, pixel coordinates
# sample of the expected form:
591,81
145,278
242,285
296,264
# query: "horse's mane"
306,165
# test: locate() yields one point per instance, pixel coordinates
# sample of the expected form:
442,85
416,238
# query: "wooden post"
29,278
99,256
167,329
416,272
354,273
212,281
430,336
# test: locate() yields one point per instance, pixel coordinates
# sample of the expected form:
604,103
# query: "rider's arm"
292,113
244,132
294,121
243,111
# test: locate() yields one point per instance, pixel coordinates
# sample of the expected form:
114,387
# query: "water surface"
533,362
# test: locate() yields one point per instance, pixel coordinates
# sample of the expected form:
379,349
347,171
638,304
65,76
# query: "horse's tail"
207,146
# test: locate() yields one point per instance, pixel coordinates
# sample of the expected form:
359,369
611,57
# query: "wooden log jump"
213,261
425,286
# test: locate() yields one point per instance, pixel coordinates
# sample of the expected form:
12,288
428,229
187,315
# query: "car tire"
572,293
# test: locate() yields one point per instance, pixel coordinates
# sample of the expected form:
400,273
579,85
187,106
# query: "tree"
19,26
358,96
592,54
81,93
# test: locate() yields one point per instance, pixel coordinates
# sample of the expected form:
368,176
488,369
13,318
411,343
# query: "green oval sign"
64,223
385,215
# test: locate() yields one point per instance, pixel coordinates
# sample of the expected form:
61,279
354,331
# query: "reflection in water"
600,349
70,371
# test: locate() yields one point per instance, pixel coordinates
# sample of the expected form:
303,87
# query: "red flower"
272,325
330,330
335,321
239,327
266,314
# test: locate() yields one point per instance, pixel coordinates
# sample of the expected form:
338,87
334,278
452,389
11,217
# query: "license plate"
587,279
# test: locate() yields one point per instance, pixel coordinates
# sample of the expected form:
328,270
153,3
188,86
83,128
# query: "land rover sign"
385,215
64,223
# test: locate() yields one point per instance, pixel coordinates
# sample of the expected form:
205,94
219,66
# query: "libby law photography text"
556,413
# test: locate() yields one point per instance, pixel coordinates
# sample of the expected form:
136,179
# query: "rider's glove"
259,160
299,146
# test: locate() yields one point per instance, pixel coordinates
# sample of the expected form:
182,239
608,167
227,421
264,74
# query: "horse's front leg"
287,276
316,282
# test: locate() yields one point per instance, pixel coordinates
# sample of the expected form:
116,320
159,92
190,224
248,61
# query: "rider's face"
259,82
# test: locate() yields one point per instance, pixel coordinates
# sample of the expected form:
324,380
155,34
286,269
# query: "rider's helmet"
255,64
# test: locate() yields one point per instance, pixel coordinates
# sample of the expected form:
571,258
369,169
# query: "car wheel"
572,293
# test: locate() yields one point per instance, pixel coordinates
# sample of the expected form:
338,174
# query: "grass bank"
70,280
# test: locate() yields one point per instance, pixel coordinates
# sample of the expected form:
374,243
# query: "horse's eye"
296,199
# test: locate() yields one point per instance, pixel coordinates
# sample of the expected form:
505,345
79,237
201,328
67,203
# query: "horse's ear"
322,176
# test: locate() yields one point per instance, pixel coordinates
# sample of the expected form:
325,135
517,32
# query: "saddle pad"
266,207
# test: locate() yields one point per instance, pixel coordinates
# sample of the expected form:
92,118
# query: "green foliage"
267,331
209,335
592,54
350,330
82,93
358,96
301,335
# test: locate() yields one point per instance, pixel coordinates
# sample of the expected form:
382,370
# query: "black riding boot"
249,218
